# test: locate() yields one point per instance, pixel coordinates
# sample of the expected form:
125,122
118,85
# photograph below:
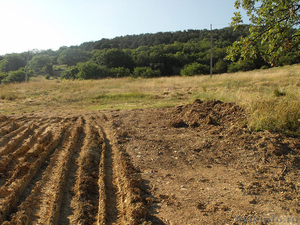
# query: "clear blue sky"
50,24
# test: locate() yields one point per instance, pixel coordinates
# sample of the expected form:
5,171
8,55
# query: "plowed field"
193,164
65,170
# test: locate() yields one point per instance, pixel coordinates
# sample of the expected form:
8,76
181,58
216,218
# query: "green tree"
40,62
114,58
274,29
48,69
141,56
71,56
12,62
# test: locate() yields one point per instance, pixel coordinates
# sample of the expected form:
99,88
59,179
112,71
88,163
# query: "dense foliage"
274,32
146,55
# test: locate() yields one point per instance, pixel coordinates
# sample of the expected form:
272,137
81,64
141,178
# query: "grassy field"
271,97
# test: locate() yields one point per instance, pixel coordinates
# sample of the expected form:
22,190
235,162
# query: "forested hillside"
144,55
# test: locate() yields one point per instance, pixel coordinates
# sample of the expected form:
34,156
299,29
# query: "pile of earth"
213,112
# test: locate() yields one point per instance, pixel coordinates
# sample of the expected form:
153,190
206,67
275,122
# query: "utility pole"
211,52
26,75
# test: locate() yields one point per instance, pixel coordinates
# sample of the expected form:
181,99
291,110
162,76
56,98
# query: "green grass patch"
121,96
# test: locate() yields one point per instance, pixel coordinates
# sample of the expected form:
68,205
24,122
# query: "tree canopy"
12,62
168,53
274,30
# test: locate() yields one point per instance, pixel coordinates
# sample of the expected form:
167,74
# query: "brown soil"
193,164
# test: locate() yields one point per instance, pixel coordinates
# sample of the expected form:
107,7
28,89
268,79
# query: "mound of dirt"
213,112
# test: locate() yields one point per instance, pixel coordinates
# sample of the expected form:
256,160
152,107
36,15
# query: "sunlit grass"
271,97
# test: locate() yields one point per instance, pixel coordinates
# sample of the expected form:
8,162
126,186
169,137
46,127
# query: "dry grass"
270,96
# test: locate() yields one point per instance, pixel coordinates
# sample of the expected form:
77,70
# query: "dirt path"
193,164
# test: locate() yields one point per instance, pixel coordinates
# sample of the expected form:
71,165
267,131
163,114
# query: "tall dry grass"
271,97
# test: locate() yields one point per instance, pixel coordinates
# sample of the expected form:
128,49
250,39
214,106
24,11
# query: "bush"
288,59
15,76
193,69
145,72
90,70
264,67
2,76
70,73
220,67
120,72
244,65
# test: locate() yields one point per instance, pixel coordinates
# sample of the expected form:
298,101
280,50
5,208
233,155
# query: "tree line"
146,55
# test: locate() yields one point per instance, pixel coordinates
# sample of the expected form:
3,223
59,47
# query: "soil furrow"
85,202
5,139
3,118
68,193
121,180
22,149
55,209
48,191
14,187
107,211
8,129
15,141
24,155
4,124
108,196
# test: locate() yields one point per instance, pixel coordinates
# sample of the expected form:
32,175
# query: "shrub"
2,76
120,72
90,70
220,67
15,76
264,67
193,69
70,73
244,65
145,72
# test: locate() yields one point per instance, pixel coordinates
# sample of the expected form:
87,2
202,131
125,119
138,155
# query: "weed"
278,93
276,115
